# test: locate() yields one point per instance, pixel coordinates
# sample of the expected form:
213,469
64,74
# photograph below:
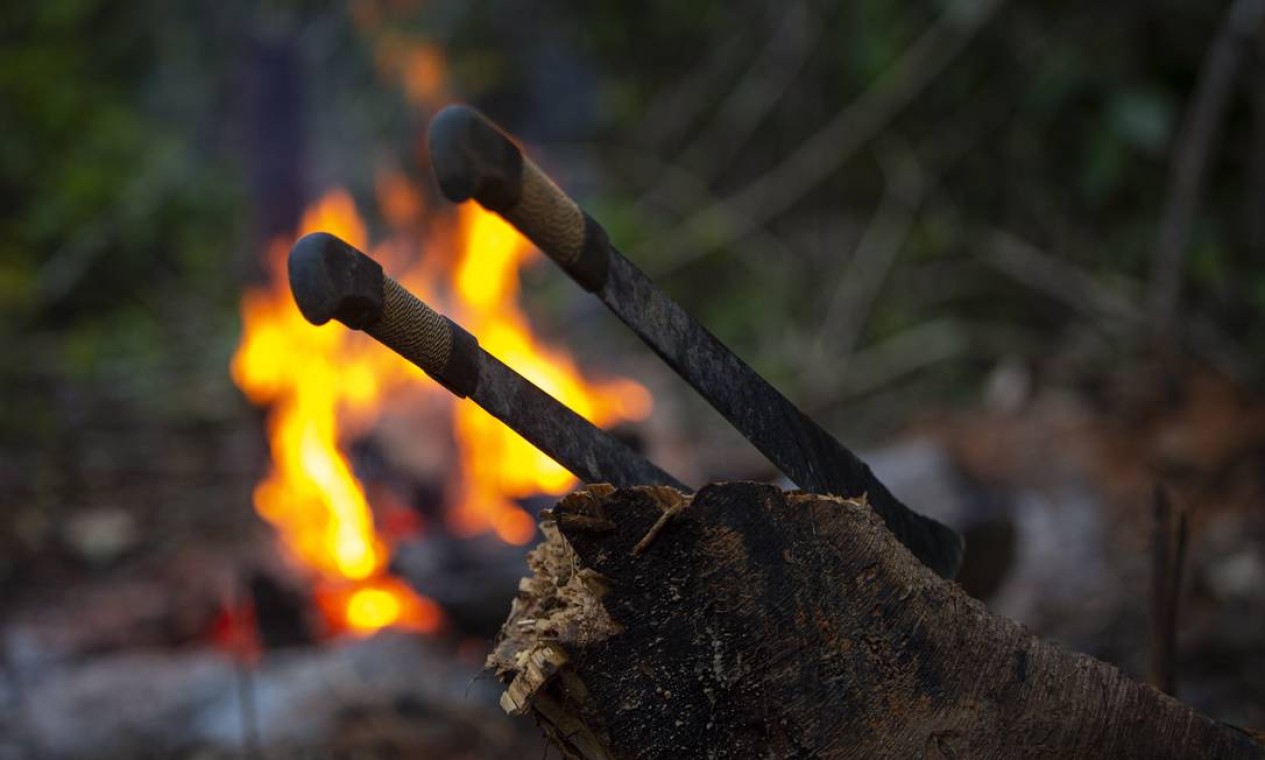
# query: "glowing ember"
365,607
372,608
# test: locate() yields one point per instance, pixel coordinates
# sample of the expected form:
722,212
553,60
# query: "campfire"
1007,432
327,387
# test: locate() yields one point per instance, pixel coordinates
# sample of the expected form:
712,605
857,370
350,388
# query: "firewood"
745,621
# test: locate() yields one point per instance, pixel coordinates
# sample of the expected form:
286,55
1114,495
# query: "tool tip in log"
745,621
332,280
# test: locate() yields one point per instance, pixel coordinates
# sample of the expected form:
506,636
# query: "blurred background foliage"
875,203
117,211
904,214
868,197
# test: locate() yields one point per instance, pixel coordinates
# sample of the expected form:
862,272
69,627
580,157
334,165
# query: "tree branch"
867,269
1200,128
764,84
719,225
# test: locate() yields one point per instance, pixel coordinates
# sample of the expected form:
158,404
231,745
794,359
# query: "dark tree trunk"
748,622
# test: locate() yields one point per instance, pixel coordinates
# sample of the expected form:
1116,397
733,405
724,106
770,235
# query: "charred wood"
749,622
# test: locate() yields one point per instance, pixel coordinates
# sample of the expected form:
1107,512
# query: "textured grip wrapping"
551,220
431,341
548,217
473,158
412,329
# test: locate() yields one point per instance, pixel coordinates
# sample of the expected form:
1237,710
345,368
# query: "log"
745,621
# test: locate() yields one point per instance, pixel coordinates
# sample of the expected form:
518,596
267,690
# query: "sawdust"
558,606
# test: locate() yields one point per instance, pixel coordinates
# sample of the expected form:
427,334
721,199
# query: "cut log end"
744,621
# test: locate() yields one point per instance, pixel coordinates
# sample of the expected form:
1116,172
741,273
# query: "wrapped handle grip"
473,158
332,280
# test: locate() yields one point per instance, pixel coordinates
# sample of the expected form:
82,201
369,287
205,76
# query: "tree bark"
748,622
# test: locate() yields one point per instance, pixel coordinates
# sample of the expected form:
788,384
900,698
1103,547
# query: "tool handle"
473,158
332,280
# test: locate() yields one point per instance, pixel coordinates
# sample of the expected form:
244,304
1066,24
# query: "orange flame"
326,385
310,378
503,465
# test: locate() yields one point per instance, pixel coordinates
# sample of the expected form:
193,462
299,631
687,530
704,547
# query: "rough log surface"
749,622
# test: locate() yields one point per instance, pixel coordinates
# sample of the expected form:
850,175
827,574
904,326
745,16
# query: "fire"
383,602
310,495
311,378
502,464
326,386
417,64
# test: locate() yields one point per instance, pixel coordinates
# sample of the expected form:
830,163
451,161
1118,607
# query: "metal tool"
473,158
332,280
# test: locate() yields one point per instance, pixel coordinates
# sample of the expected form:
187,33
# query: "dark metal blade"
587,451
799,447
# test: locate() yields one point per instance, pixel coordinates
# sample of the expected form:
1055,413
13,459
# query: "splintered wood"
744,621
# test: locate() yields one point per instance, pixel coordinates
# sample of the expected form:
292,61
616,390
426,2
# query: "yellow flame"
325,385
372,608
379,603
503,466
309,378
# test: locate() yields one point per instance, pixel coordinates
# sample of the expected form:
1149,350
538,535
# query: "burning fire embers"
327,387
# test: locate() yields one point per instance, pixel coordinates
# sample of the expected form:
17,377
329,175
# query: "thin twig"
720,224
66,267
1109,307
677,111
1200,127
764,84
251,745
1255,195
867,269
673,186
885,362
243,668
1168,550
680,188
1060,280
